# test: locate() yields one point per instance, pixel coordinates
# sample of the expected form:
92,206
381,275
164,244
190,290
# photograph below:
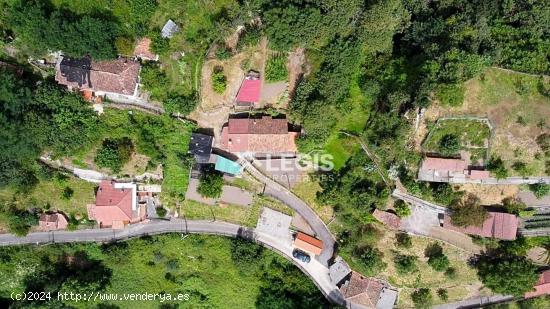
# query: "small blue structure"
227,166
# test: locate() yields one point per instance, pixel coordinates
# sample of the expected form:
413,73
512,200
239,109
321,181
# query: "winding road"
281,193
315,270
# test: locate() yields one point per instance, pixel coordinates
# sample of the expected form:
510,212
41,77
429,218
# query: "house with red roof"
308,243
113,78
249,92
448,170
497,225
116,205
363,292
259,137
542,287
52,222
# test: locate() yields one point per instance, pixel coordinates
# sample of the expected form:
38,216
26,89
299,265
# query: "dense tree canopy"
507,275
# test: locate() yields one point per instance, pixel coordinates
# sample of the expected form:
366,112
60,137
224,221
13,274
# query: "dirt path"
296,68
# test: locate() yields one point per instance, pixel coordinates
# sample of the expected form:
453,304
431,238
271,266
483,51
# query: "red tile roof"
475,174
390,220
143,49
50,222
441,164
250,91
115,76
112,205
362,290
308,243
542,286
497,225
265,135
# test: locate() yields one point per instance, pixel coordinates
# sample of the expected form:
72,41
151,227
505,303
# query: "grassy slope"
50,192
205,269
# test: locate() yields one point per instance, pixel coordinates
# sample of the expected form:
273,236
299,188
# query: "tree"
161,212
422,298
67,193
405,264
507,274
496,165
513,205
540,189
246,254
468,211
403,240
210,183
443,295
219,81
371,259
114,153
402,209
436,258
449,144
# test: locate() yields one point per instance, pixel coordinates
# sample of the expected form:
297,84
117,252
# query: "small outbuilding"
200,146
308,243
169,29
52,222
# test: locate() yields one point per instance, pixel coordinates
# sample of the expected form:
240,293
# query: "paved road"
418,201
281,193
316,271
477,302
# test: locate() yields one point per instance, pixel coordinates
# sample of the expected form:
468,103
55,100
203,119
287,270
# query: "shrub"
125,46
219,81
155,81
507,275
436,259
422,298
249,37
159,45
180,104
402,209
543,141
513,206
114,153
371,259
520,167
443,295
210,184
468,211
450,95
451,273
275,69
449,144
539,189
161,212
67,193
405,264
496,165
222,52
403,240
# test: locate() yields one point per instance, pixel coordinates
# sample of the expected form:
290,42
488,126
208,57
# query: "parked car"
301,255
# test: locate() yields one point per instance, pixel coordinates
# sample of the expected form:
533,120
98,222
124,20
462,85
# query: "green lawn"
201,266
49,193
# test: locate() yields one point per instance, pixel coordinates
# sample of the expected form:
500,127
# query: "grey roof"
387,299
169,29
339,271
200,146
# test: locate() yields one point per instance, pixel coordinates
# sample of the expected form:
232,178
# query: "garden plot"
518,107
456,136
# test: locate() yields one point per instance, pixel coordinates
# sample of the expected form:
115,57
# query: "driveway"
230,195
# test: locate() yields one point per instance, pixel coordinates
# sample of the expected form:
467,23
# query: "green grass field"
201,266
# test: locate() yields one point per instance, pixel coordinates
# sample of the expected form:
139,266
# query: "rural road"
279,192
315,270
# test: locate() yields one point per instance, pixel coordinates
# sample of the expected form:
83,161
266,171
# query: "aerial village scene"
443,205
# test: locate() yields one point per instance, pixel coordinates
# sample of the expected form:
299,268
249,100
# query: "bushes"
180,104
219,81
371,258
402,209
114,153
405,264
422,298
436,259
449,144
275,69
450,95
161,212
403,240
539,189
507,274
468,212
155,81
210,184
67,193
496,166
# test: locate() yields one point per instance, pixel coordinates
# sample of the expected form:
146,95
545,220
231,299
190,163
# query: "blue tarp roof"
227,166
